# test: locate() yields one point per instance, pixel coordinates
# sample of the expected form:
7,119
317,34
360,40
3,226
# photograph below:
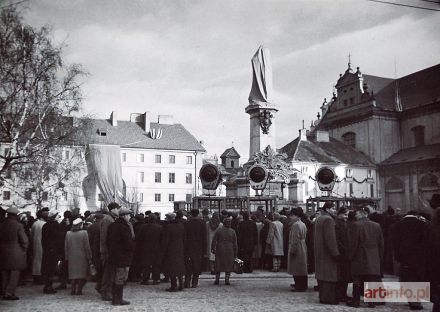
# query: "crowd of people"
111,247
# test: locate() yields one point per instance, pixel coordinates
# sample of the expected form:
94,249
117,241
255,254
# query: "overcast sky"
192,59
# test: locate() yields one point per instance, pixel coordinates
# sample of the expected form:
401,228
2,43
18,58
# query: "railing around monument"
238,204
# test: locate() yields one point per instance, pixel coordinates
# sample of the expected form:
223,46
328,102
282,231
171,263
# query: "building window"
141,177
345,103
371,190
157,197
8,173
349,173
157,159
172,177
141,197
350,188
45,196
369,174
158,177
172,159
171,197
419,135
65,195
124,157
189,160
349,138
351,101
66,154
6,152
28,195
6,195
189,178
188,198
141,157
232,164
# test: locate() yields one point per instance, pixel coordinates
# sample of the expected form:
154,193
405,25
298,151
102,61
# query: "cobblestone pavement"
259,291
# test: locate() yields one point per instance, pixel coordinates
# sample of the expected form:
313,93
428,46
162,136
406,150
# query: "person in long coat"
211,228
120,243
173,246
52,250
149,241
297,251
78,255
37,249
275,242
13,248
432,252
93,231
409,250
342,234
247,238
225,247
366,251
326,254
257,256
195,248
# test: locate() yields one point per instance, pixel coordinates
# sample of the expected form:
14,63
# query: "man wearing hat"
326,254
13,247
107,271
195,248
37,249
120,243
52,243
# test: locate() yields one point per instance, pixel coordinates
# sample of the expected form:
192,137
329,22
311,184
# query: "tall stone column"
261,109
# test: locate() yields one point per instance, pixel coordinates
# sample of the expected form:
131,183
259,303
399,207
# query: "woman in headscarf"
224,246
211,228
78,255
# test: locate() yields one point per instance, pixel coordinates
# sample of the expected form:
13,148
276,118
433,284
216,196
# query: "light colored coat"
78,253
274,239
326,248
211,234
37,248
297,257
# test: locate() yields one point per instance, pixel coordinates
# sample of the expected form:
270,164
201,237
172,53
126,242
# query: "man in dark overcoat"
93,232
432,251
120,243
366,251
326,254
195,248
247,239
107,270
412,233
342,234
13,247
148,241
173,246
51,241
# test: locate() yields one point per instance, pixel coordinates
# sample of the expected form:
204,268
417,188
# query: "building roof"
415,90
231,153
413,154
332,152
129,134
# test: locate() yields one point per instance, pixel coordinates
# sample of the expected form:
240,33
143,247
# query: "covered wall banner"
104,163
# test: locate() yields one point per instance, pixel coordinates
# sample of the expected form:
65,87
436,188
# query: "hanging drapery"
104,163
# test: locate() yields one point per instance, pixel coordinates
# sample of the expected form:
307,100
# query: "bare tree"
37,92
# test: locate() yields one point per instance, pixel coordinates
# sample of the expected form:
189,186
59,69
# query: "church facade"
396,124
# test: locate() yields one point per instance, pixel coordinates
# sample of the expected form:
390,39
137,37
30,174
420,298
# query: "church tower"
261,109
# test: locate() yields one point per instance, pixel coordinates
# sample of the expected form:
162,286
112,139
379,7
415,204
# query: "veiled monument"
261,108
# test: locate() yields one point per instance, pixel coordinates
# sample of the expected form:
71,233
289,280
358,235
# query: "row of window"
171,197
171,177
158,158
28,195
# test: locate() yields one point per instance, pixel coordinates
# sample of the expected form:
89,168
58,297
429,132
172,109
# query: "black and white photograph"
206,155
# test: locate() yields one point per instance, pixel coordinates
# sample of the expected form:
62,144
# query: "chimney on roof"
303,134
322,136
114,119
143,120
165,119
